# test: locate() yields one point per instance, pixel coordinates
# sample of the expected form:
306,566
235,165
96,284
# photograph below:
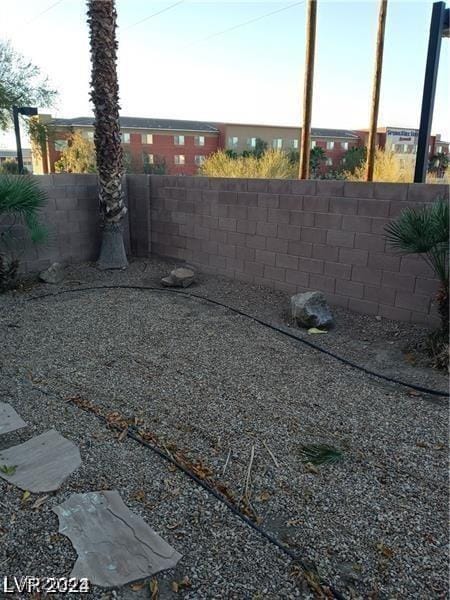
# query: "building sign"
402,133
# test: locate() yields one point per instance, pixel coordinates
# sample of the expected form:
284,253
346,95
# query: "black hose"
210,490
281,330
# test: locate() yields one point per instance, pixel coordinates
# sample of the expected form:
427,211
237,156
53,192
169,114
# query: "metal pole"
308,89
18,143
376,90
429,90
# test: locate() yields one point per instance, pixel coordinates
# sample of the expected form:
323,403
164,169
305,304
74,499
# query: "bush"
425,232
388,167
273,164
20,202
11,166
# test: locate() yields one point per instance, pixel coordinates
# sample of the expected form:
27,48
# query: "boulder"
181,277
54,274
311,310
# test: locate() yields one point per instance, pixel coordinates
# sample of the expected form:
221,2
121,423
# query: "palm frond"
20,196
320,454
423,231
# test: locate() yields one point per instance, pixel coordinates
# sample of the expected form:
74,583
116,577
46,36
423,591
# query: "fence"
288,235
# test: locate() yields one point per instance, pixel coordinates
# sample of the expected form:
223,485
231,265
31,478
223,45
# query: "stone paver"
114,546
42,463
9,419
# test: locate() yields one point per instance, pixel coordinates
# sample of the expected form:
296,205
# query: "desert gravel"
216,384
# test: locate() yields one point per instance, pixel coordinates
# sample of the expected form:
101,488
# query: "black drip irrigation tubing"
302,340
210,490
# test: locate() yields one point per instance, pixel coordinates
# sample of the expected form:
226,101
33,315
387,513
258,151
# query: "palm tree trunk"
105,97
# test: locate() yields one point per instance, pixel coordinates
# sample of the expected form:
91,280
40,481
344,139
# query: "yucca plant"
21,199
425,232
320,454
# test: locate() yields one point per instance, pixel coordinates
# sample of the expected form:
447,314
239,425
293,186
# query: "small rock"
180,277
54,274
311,310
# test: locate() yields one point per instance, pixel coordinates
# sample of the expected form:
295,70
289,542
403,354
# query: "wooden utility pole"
376,90
308,89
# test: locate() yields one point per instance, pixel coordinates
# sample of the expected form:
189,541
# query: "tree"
438,164
354,158
78,156
316,157
425,231
21,84
102,19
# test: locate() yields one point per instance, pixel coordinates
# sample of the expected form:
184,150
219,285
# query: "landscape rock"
114,546
311,309
181,277
54,274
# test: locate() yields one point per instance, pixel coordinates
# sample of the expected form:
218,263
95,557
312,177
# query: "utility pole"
376,90
15,111
308,89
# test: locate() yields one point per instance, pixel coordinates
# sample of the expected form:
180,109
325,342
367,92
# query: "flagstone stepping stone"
42,463
9,419
114,546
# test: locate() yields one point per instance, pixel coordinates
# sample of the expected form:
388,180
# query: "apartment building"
335,142
179,147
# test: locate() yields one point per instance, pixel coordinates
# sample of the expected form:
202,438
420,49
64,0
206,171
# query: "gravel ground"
216,384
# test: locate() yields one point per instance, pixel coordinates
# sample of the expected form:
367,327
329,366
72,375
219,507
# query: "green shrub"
21,199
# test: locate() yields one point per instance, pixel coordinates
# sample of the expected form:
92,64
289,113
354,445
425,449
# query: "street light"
26,111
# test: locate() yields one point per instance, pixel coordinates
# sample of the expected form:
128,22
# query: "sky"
177,64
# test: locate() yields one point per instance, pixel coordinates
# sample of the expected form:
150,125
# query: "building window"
147,159
60,145
179,159
199,160
344,145
330,145
294,144
429,149
277,143
251,142
343,161
178,140
146,138
313,144
329,162
125,138
90,135
438,149
199,140
405,148
233,142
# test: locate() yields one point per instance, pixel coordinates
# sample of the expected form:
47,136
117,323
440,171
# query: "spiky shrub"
425,231
21,199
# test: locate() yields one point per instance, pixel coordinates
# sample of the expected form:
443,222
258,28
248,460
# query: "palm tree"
425,231
102,18
438,164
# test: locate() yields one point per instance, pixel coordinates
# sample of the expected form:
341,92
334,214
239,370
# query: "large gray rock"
54,274
114,545
42,463
311,310
181,277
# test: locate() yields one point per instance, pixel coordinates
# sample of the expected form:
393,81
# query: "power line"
243,24
154,14
43,12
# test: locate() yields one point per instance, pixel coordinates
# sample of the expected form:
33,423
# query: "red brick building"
178,147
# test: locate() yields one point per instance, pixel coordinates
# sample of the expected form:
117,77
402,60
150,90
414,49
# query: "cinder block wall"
297,236
72,217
